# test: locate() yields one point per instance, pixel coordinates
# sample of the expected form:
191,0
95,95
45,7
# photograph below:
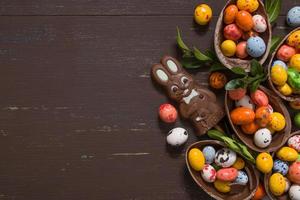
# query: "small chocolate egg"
250,128
280,63
285,53
264,162
208,173
294,142
196,159
259,98
241,50
294,40
230,14
281,167
177,136
167,113
256,46
262,138
260,24
209,153
277,184
294,192
262,116
242,115
232,32
294,172
225,157
227,174
244,20
245,102
237,94
287,154
293,17
287,185
277,121
242,178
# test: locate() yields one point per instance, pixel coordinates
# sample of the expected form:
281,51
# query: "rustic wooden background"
78,115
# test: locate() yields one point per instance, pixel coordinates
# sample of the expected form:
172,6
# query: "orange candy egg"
244,20
230,14
242,115
262,116
250,128
241,50
217,80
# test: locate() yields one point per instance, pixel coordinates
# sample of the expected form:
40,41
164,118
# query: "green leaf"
239,71
190,63
253,86
256,68
274,43
200,56
235,84
217,67
273,9
180,42
212,55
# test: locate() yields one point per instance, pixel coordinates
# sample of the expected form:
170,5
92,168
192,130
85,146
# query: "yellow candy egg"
248,5
277,184
287,154
222,186
294,40
228,48
277,122
264,162
196,159
278,75
239,164
286,89
295,62
203,14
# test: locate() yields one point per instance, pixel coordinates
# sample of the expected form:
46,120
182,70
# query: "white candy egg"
245,102
225,157
260,24
262,138
294,192
209,173
294,142
177,136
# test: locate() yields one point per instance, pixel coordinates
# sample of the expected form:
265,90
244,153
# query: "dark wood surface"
78,115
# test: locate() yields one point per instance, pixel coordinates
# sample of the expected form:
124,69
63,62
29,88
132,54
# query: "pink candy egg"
294,172
294,142
260,98
285,53
241,50
227,174
167,113
232,32
237,94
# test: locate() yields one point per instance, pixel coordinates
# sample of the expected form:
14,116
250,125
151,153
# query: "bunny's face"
176,81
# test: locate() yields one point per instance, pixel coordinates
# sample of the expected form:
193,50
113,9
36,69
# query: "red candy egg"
227,174
260,98
241,50
237,94
294,172
232,32
167,113
285,53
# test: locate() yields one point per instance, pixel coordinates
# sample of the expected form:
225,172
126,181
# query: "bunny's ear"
160,74
171,64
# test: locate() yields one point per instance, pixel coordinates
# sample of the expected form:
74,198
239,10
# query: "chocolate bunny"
195,103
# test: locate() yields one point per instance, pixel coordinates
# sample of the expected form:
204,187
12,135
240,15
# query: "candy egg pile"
284,72
221,167
285,177
242,29
256,117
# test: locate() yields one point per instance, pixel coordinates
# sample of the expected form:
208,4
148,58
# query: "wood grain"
78,109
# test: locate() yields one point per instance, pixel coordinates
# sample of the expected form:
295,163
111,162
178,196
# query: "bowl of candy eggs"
243,32
220,172
259,119
284,68
283,182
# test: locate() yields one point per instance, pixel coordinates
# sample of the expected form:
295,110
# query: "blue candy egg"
242,178
281,63
256,46
209,153
293,17
280,167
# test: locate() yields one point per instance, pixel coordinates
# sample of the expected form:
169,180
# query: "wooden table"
78,116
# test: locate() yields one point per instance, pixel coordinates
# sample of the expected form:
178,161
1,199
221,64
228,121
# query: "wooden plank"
112,7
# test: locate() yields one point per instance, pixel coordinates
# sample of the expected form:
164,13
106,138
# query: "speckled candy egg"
241,50
295,62
293,17
245,102
294,192
227,174
281,167
244,20
259,98
230,14
225,157
262,116
242,115
277,121
287,154
232,32
256,46
208,173
294,39
294,142
177,136
277,184
209,153
279,75
167,113
285,53
294,172
202,14
280,63
242,178
260,24
237,94
217,80
262,138
248,5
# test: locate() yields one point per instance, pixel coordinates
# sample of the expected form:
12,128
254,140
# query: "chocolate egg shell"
245,193
292,97
278,139
219,38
